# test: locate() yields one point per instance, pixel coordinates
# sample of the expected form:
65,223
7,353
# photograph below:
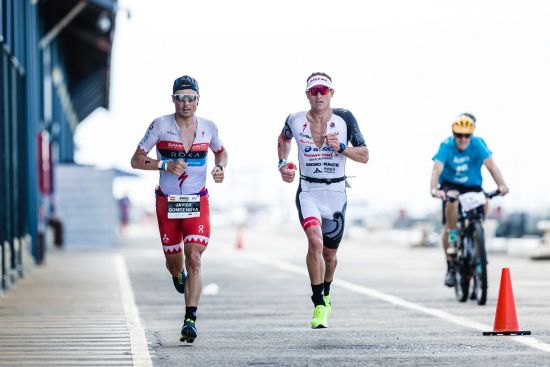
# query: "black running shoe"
188,331
179,282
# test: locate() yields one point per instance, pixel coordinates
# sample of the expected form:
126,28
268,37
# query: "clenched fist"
288,171
218,174
176,167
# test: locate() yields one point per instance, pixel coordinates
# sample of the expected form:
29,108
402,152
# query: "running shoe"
320,317
179,282
188,331
328,304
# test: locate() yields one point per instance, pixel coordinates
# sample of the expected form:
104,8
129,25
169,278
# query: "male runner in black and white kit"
322,135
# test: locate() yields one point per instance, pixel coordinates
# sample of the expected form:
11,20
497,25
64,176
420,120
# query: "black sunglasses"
461,136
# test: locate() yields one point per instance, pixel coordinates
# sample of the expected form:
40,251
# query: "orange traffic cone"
506,319
239,239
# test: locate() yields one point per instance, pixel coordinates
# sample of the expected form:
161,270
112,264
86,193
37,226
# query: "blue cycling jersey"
462,167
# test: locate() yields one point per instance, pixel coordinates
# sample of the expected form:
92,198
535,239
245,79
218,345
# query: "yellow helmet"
464,124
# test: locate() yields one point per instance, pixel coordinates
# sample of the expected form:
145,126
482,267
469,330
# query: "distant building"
54,72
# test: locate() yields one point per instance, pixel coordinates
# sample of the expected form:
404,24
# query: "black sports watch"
342,147
220,167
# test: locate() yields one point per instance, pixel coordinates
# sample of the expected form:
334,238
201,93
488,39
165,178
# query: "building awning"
83,31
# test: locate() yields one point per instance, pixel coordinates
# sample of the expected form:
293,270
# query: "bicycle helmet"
465,123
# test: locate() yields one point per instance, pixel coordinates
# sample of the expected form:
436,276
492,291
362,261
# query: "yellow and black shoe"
320,317
188,331
179,282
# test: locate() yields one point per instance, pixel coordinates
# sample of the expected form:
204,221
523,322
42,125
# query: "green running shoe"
320,315
179,282
328,304
188,331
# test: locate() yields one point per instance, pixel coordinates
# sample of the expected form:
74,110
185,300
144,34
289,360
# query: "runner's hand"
218,174
332,141
176,167
288,173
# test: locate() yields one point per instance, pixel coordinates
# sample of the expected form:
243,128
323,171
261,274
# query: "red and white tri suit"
165,135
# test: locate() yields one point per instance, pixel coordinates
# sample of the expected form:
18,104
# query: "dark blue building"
55,65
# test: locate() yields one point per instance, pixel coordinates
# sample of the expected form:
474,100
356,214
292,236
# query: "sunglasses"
185,97
462,136
313,91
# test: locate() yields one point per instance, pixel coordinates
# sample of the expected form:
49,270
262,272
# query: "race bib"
472,200
183,206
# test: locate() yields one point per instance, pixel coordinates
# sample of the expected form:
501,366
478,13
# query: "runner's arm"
357,154
140,160
283,149
497,176
221,158
283,146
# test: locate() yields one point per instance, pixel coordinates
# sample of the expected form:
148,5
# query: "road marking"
138,342
458,320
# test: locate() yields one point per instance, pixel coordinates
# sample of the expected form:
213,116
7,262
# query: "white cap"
318,80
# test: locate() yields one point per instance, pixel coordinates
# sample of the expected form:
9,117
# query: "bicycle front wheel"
462,279
479,264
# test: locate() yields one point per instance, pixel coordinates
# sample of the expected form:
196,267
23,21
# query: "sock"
452,235
317,296
191,313
326,288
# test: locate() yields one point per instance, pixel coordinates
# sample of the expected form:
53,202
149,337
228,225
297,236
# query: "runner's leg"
171,238
314,258
329,257
193,254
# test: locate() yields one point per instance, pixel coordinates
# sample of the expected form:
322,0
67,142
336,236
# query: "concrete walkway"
78,309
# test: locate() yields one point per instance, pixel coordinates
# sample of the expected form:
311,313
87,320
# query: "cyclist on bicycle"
457,170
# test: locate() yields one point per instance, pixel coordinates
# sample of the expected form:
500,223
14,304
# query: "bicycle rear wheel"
479,264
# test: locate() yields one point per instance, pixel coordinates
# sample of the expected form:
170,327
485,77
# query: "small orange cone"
239,239
506,319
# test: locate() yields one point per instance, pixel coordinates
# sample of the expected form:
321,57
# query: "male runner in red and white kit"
322,135
182,141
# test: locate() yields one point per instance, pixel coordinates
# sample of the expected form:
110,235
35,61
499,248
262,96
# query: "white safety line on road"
458,320
138,342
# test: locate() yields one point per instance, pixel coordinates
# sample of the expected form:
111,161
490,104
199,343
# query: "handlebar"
492,194
488,195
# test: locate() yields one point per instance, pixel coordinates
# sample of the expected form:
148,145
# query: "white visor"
318,80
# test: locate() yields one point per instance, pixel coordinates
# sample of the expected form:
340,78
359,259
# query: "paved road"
389,307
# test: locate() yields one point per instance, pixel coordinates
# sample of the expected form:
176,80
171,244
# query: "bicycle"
470,262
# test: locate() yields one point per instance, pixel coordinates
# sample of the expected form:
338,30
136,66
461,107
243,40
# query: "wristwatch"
281,163
220,167
342,147
434,191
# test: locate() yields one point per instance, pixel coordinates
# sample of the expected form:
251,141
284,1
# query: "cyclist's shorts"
449,186
324,208
174,233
